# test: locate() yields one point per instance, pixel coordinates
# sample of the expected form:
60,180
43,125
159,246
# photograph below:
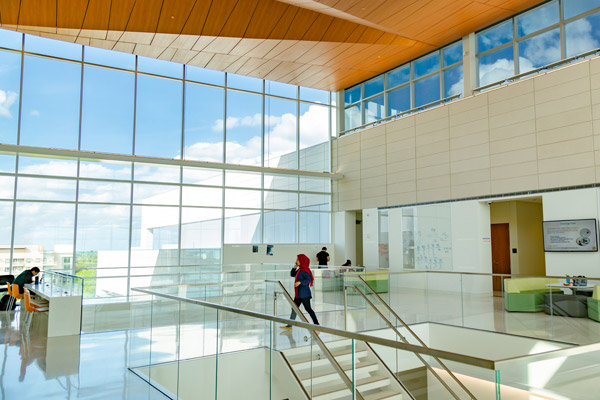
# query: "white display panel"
577,235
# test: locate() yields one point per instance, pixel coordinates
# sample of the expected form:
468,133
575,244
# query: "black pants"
306,303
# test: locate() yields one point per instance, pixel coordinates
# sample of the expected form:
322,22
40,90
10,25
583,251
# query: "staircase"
321,380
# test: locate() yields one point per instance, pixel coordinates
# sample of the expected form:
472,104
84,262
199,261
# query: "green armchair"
527,294
593,304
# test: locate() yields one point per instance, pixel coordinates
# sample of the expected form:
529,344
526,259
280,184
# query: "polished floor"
95,365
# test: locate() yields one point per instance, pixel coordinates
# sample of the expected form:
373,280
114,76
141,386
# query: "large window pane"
352,95
104,192
242,226
244,128
110,58
7,188
204,75
374,109
158,117
200,236
46,189
583,35
242,198
6,213
453,81
11,39
105,169
539,50
399,100
204,113
281,89
575,7
145,193
281,200
314,227
427,90
426,64
244,82
537,19
202,176
399,76
374,86
352,117
107,110
243,179
154,236
50,109
494,37
280,133
314,95
202,196
282,182
496,66
156,173
452,54
51,47
10,81
160,67
315,202
309,184
280,227
47,166
314,137
102,248
8,163
52,238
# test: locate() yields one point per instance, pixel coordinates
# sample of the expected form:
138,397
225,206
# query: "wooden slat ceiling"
325,44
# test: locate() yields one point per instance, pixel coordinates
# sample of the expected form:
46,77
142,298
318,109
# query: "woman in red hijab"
304,280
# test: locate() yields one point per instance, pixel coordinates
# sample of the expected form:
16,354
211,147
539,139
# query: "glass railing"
56,283
184,343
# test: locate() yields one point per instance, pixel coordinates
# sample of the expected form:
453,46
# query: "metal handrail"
389,323
338,368
429,271
447,355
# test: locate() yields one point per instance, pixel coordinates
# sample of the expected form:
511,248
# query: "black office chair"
4,279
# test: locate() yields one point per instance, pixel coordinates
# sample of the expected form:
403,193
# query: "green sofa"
593,304
377,280
527,294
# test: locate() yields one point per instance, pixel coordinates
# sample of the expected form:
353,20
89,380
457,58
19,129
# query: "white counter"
64,314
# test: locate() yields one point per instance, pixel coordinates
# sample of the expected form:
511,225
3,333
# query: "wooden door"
500,253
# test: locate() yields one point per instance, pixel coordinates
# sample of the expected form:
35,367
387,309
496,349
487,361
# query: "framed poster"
574,235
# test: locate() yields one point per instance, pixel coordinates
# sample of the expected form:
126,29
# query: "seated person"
25,277
348,263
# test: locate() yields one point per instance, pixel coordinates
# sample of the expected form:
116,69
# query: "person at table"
25,277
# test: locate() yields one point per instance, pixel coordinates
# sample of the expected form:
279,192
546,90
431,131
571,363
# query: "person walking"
302,294
323,257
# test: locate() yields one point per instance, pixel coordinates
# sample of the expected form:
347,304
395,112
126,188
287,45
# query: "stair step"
337,352
386,394
368,383
329,370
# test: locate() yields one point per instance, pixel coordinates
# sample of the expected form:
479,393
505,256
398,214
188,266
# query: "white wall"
370,223
572,204
282,253
344,233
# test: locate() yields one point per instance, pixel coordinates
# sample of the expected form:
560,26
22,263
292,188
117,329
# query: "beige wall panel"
431,127
431,114
512,117
564,148
595,81
462,178
403,165
469,128
374,183
434,159
401,124
512,104
436,170
513,157
573,161
434,195
433,148
565,133
468,116
510,91
432,137
515,143
373,162
374,202
512,130
514,170
402,198
379,171
373,152
471,190
401,177
435,182
562,91
473,139
402,187
373,141
519,184
561,75
467,104
567,178
401,135
345,204
470,152
595,65
470,164
563,105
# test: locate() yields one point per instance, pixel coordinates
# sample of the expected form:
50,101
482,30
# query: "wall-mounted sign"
576,235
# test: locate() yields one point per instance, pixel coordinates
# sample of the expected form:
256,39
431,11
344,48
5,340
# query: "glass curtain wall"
556,30
127,223
435,76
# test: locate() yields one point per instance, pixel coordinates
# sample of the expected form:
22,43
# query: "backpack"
4,303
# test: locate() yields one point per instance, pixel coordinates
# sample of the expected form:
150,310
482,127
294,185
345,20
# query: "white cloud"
7,99
457,88
540,50
34,113
235,122
580,38
497,71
